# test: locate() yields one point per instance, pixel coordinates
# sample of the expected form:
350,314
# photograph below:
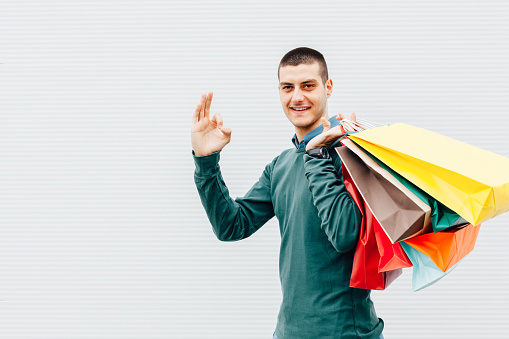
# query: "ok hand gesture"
208,135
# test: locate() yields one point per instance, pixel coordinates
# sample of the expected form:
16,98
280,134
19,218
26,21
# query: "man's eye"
286,87
309,86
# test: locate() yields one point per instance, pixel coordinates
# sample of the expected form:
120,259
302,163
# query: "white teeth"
300,109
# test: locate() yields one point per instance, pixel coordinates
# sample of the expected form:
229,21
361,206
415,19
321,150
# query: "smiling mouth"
299,109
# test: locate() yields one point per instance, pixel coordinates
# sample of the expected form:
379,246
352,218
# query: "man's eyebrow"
304,82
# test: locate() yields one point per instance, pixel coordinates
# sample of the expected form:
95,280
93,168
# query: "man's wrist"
318,152
310,147
200,154
207,165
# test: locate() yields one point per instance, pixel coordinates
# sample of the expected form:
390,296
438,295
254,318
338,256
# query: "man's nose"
298,95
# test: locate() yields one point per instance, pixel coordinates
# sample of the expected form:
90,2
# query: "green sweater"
319,226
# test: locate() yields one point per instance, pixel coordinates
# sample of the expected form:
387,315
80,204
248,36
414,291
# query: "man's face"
303,95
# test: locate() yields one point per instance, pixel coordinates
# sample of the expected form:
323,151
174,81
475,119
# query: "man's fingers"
207,104
196,114
334,133
340,117
218,119
226,131
326,124
202,106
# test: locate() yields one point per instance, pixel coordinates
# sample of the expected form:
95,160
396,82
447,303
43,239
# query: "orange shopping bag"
446,248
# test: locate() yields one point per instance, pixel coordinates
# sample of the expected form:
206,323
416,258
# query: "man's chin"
299,124
304,124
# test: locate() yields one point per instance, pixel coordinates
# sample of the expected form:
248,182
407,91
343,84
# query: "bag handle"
348,125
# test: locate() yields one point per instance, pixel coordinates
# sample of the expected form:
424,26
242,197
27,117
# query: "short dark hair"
305,55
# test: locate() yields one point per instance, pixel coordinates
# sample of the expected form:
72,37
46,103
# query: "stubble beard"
315,118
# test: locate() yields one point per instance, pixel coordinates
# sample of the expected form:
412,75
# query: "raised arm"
231,219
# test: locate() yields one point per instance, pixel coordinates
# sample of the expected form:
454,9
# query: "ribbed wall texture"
102,234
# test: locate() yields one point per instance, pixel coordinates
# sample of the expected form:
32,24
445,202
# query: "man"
303,188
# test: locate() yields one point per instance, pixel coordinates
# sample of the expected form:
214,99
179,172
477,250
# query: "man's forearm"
231,219
340,216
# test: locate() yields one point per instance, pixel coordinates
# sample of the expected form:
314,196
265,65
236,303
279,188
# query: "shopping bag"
366,259
392,255
441,217
470,181
399,211
447,248
425,272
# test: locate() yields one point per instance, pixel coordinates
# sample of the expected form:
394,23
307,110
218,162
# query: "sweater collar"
302,144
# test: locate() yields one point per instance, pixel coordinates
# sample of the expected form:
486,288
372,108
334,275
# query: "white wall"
102,234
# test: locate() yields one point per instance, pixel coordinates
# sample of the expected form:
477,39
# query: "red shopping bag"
392,256
365,273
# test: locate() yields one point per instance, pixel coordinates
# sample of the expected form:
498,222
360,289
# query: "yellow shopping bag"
472,182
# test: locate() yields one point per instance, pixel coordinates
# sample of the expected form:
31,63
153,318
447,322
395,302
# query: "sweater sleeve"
232,219
340,216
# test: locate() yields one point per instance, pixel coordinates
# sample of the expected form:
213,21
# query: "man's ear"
328,86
